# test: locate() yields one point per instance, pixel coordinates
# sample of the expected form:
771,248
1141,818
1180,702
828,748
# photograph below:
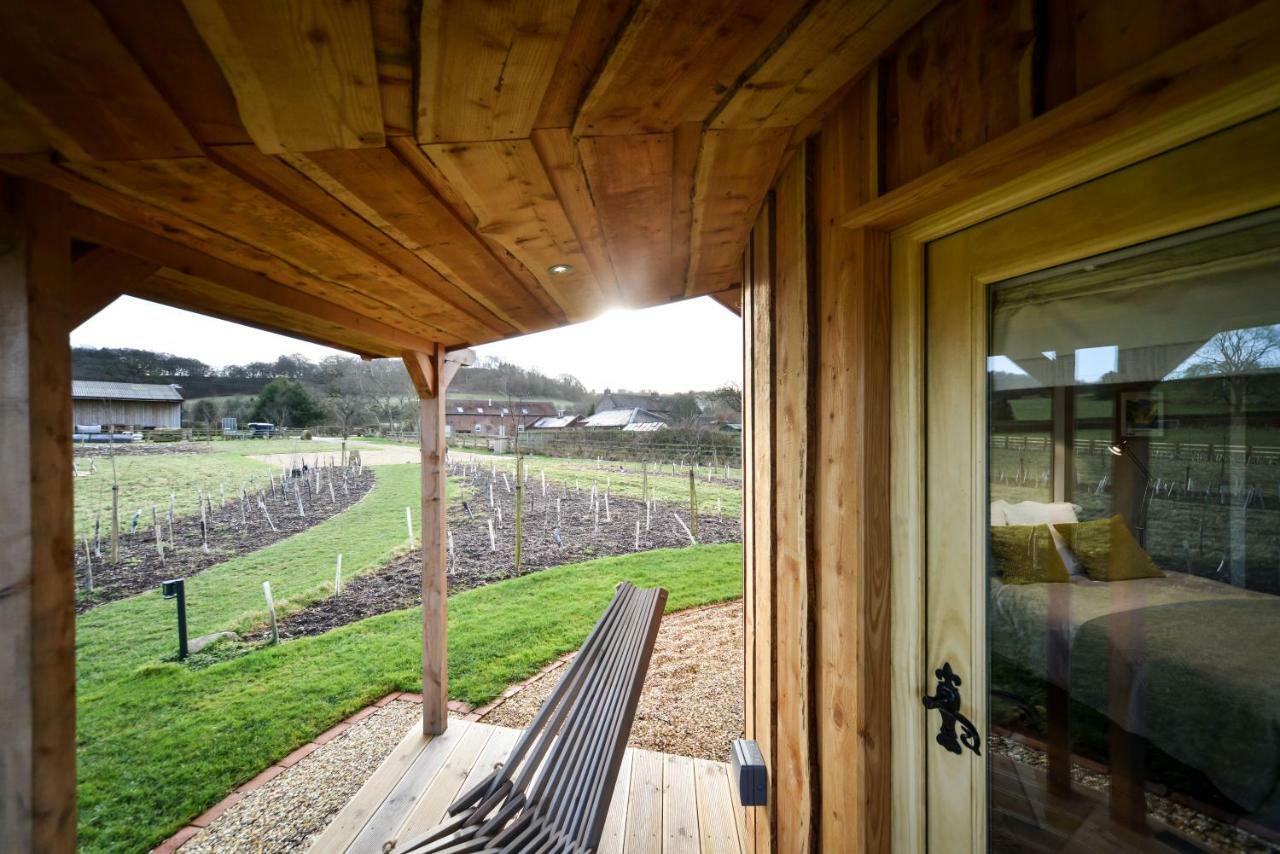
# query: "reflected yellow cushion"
1025,554
1107,550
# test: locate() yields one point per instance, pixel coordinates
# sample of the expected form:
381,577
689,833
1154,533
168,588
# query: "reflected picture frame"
1141,414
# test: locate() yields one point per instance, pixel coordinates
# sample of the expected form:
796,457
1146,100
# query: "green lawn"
148,480
159,741
114,639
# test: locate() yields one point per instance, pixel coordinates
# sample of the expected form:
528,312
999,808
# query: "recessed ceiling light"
560,269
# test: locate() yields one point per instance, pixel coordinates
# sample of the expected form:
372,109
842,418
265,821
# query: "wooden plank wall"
127,413
815,307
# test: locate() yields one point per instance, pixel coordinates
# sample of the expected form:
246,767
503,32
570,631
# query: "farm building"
971,623
623,419
125,406
627,400
554,422
492,418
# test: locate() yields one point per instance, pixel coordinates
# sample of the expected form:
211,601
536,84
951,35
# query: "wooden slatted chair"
553,792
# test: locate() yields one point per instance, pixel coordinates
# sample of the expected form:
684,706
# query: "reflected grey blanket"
1203,686
1197,662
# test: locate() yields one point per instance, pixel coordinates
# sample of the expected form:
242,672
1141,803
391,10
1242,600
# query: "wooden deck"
662,803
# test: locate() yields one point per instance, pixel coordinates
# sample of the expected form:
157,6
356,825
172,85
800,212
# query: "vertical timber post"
428,373
37,590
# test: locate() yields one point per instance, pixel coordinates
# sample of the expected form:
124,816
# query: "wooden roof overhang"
383,176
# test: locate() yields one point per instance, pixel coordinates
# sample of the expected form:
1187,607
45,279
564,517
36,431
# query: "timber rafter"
458,176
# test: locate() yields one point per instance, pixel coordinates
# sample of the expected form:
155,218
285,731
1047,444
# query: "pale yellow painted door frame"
939,499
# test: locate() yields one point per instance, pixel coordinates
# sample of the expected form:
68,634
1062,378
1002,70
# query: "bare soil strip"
473,563
230,534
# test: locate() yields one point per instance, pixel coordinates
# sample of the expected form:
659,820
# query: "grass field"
160,741
628,484
147,480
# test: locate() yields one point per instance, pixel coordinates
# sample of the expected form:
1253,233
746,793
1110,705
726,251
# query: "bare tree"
1234,355
344,395
386,385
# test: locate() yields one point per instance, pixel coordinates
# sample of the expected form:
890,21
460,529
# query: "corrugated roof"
552,422
645,427
101,390
610,418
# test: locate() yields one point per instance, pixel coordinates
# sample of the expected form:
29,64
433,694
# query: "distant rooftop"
621,417
645,427
552,422
102,390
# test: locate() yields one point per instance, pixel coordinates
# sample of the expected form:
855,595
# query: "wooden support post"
428,373
37,590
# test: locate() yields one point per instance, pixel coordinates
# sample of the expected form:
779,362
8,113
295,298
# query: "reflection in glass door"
1134,549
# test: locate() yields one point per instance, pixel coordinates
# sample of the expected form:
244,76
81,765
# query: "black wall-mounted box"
749,773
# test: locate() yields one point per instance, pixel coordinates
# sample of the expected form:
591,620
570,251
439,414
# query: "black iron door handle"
946,699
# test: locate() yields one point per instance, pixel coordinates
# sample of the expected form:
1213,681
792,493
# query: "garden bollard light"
175,588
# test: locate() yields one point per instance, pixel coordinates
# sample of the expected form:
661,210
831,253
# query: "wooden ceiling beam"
99,277
200,190
417,162
735,170
303,71
730,298
185,231
564,170
675,60
169,49
168,287
485,67
834,43
282,181
395,40
81,86
506,186
630,178
595,27
104,230
378,184
686,147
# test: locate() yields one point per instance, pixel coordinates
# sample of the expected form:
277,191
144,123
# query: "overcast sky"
696,344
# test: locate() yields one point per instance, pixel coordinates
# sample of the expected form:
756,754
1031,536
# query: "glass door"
1103,519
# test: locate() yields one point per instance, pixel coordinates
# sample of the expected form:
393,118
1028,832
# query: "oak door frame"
1152,192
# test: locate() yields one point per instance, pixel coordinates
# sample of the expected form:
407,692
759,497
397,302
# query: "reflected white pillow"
1038,513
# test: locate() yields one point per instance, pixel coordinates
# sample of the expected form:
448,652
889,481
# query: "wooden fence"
1188,451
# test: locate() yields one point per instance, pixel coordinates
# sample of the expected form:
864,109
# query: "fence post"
693,503
519,506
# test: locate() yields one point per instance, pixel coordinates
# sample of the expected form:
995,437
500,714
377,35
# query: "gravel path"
691,704
287,812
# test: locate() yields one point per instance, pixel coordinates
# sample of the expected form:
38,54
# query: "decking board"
662,803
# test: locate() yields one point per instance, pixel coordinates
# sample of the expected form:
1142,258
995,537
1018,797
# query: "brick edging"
200,822
464,710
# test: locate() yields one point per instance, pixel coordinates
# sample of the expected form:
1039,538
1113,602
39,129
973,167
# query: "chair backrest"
553,792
